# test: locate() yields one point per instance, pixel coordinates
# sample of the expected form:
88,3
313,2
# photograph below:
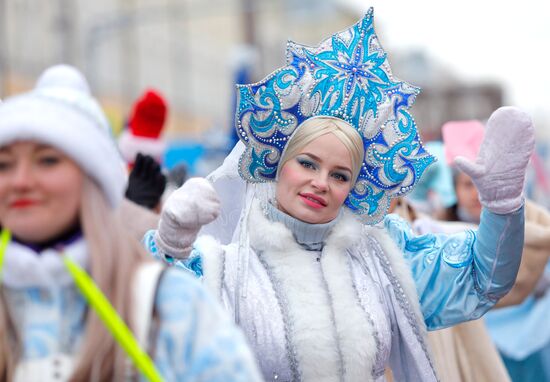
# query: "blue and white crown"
348,77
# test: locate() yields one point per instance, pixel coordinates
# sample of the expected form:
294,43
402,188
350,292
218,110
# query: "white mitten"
186,210
499,169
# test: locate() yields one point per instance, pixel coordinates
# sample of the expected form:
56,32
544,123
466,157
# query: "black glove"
146,182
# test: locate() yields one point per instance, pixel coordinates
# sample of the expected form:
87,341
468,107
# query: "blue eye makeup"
341,177
309,163
306,163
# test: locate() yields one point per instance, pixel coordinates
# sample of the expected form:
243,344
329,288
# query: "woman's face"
314,184
467,196
40,191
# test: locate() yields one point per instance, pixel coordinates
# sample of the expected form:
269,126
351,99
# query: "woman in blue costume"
519,326
61,182
323,292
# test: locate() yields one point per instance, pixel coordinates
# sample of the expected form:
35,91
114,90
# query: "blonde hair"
315,127
114,256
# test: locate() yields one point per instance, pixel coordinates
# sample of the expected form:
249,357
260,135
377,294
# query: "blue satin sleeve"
192,264
459,277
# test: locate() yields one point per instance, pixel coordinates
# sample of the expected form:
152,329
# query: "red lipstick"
314,201
22,203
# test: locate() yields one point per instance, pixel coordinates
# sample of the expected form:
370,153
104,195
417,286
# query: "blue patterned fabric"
347,77
456,275
192,264
49,320
196,339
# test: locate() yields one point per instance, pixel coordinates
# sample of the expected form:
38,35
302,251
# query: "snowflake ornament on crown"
347,77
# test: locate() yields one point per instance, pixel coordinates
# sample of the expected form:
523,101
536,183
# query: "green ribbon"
106,312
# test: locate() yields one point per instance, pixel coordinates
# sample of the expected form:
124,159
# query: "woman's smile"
313,201
313,186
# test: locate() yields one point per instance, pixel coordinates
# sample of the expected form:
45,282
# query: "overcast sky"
508,41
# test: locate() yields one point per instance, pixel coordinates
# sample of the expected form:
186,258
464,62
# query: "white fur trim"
55,367
355,331
144,289
401,270
305,282
269,236
212,255
24,268
298,276
130,145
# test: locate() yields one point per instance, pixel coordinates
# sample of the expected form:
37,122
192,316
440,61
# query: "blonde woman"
61,182
321,291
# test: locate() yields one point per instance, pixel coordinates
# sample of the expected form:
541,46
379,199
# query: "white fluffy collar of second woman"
24,268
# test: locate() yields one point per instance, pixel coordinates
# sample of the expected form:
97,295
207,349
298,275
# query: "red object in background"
145,124
148,115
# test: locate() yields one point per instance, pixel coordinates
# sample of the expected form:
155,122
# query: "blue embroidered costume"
194,338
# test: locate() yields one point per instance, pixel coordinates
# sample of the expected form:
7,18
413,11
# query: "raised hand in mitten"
183,214
499,169
146,182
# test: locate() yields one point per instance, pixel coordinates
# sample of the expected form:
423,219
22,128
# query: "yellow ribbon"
5,238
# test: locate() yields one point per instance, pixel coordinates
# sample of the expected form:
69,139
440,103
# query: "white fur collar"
212,262
275,236
330,333
24,268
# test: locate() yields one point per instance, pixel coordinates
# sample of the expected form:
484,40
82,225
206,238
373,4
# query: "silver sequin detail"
401,297
369,319
283,306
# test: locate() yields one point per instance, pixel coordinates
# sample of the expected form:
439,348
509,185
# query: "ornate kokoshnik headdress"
348,77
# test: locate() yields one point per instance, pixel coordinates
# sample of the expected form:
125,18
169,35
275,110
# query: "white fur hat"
61,112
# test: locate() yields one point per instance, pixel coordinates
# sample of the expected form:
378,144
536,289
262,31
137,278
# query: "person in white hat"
80,296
